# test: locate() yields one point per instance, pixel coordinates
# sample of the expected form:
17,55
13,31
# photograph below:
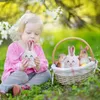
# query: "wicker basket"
64,76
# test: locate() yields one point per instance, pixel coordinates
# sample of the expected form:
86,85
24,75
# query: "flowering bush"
54,13
4,27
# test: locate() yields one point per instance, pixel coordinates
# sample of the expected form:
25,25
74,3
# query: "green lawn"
88,90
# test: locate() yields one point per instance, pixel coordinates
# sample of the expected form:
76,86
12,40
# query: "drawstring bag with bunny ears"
30,54
73,69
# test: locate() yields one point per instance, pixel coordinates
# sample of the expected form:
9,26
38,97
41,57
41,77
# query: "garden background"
62,19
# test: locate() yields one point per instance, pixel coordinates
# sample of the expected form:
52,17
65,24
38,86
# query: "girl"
17,75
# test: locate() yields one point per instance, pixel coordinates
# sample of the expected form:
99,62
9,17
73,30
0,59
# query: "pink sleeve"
12,62
43,61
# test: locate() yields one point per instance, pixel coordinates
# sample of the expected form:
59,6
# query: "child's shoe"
25,87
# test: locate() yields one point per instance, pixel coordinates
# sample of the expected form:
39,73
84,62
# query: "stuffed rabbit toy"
83,56
71,60
59,62
30,54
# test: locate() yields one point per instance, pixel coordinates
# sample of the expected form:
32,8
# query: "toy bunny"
71,60
59,62
83,56
30,54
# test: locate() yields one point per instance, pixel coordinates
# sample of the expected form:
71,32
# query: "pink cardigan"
13,60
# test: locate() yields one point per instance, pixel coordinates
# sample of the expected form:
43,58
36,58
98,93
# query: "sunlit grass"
3,50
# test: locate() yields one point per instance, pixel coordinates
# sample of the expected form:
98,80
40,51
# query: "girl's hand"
37,62
24,64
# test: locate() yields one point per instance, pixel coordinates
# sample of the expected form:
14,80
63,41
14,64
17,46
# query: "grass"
86,90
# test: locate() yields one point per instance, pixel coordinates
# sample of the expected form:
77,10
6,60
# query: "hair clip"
28,11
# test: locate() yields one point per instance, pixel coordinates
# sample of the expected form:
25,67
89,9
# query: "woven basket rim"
92,63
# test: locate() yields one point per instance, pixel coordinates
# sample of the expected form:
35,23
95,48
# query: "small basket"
65,76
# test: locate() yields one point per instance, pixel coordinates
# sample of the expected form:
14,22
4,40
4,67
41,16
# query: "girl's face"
31,32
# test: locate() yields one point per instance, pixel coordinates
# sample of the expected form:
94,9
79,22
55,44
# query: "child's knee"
24,76
48,74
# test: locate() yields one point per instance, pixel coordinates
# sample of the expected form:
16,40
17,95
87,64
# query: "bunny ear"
87,48
72,51
69,50
28,48
29,44
81,47
32,46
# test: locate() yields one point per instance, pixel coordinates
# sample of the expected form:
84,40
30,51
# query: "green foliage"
86,90
85,10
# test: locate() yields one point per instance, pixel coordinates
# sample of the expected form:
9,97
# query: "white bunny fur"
30,54
71,60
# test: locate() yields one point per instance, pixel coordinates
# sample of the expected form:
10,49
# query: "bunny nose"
29,59
70,65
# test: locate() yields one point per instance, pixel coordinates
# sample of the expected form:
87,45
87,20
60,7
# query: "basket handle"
72,38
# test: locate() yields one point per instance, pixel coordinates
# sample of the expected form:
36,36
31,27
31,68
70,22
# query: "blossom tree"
4,28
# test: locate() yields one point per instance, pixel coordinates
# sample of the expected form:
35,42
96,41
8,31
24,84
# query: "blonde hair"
18,28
